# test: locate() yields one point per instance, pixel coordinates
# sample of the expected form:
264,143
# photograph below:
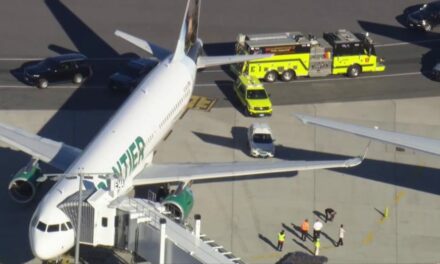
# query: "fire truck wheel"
288,75
271,76
353,71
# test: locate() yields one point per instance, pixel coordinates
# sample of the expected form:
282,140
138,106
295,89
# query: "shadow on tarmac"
319,215
430,40
301,257
302,246
268,241
15,222
329,238
414,177
288,228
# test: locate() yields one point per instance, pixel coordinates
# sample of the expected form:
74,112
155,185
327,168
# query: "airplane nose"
47,246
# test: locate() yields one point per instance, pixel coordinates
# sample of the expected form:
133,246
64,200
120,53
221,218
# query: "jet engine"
23,185
179,203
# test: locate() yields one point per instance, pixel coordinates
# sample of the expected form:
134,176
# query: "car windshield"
430,8
262,138
256,94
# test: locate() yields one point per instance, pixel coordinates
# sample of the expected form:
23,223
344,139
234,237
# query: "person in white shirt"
317,226
341,236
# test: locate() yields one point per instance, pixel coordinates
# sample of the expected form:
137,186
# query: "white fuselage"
123,146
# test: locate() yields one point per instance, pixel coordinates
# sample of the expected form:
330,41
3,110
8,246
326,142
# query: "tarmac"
245,215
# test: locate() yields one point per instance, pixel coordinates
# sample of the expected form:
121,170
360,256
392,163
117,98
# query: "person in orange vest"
304,229
281,238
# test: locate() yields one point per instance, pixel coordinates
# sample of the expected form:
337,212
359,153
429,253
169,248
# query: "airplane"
125,146
427,145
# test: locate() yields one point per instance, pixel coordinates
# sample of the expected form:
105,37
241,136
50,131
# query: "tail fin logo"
191,23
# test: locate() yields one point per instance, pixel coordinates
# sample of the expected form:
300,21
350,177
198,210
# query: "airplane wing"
209,61
198,171
431,146
52,152
149,47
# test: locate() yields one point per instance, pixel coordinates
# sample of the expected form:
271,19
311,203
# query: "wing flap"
431,146
52,152
189,172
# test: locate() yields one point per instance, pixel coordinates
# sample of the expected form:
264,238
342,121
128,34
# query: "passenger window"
104,221
63,227
53,228
41,226
69,225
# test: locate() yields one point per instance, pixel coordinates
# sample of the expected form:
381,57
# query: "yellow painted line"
193,101
399,196
201,103
368,239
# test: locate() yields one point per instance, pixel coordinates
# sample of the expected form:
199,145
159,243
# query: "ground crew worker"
329,214
317,226
281,238
341,236
317,246
304,229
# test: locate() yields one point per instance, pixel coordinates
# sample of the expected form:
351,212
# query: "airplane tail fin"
189,30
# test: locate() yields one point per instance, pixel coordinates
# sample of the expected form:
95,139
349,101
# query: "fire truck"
297,54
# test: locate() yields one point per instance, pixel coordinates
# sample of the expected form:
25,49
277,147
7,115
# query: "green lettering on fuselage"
134,153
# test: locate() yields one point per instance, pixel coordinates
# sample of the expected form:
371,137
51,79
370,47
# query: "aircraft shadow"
418,178
83,112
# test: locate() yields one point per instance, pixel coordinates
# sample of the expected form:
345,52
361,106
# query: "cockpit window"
41,226
69,225
63,227
53,228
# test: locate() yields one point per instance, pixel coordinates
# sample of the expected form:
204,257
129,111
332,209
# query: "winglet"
353,162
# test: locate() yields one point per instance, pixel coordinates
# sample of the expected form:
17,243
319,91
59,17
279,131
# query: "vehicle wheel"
78,78
271,76
287,75
354,71
43,83
246,112
427,27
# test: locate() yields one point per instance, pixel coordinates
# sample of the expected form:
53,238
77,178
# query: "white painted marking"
406,43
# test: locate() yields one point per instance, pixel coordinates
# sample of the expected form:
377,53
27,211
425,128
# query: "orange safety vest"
305,226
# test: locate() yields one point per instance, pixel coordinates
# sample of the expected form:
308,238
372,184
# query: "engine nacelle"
180,203
24,184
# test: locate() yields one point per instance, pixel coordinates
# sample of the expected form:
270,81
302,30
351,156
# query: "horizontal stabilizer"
428,145
189,172
209,61
151,48
51,152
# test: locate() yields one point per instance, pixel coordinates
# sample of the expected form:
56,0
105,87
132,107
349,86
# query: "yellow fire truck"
296,54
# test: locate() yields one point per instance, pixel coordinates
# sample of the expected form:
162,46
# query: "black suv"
129,77
427,17
68,67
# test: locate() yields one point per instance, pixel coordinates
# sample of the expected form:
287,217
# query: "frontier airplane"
124,147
